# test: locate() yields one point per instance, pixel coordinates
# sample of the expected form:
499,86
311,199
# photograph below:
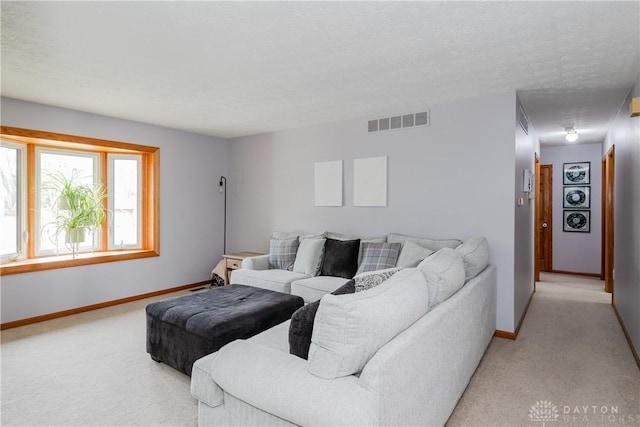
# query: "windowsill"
64,261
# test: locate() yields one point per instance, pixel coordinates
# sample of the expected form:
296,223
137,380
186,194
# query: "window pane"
9,202
126,209
55,164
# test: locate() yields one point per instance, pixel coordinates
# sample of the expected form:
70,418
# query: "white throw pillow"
475,254
309,257
349,329
444,273
411,254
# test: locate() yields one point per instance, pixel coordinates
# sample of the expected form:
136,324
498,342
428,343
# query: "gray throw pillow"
444,274
282,253
349,329
475,254
411,254
378,256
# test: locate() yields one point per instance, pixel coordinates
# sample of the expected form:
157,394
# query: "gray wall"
527,144
625,135
452,179
191,212
576,252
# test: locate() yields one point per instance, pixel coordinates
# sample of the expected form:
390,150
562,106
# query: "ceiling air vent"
396,122
407,120
400,122
422,119
524,120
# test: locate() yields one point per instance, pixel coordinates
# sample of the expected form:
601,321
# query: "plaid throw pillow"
282,253
378,256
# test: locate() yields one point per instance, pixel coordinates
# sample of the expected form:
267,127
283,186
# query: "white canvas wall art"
328,183
370,181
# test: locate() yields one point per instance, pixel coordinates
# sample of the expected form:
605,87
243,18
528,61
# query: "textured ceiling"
230,69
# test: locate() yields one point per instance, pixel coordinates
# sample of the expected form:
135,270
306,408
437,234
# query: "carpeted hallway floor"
92,369
571,352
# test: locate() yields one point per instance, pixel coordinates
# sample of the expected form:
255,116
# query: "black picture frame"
576,197
577,173
575,221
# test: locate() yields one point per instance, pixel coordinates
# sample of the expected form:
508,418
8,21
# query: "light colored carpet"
93,369
571,352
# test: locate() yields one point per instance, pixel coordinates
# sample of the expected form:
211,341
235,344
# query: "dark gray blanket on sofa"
183,329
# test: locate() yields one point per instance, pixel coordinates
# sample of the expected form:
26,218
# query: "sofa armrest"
260,262
280,384
203,387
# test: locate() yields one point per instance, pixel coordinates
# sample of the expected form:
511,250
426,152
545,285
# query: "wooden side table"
234,261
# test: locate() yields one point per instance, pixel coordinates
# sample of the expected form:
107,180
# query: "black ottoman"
184,329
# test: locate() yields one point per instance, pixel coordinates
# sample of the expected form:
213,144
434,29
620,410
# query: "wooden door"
544,222
607,219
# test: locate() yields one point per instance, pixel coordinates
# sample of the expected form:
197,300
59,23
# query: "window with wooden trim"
30,160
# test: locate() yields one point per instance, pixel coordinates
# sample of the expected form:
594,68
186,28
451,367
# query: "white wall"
527,144
191,210
576,252
625,135
452,179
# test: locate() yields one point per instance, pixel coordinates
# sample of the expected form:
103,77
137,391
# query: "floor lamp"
223,188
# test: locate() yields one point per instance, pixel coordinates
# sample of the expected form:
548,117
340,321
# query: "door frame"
536,214
537,208
607,253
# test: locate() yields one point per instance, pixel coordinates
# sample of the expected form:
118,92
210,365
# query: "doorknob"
544,225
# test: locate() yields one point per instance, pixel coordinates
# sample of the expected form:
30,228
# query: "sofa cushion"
412,254
282,253
349,329
314,288
371,279
432,244
340,258
475,254
274,280
301,326
309,257
378,256
444,274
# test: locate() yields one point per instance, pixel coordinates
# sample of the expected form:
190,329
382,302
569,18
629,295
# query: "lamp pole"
223,188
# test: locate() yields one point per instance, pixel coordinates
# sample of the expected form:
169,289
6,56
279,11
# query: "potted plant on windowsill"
78,208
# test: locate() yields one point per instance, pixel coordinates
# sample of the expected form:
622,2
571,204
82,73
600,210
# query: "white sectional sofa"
399,353
306,281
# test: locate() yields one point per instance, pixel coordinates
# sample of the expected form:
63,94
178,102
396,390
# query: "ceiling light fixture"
572,135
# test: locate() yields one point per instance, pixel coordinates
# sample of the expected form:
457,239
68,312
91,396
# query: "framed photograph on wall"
577,197
578,221
576,173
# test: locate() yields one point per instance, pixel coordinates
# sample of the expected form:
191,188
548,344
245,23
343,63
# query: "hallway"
571,355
